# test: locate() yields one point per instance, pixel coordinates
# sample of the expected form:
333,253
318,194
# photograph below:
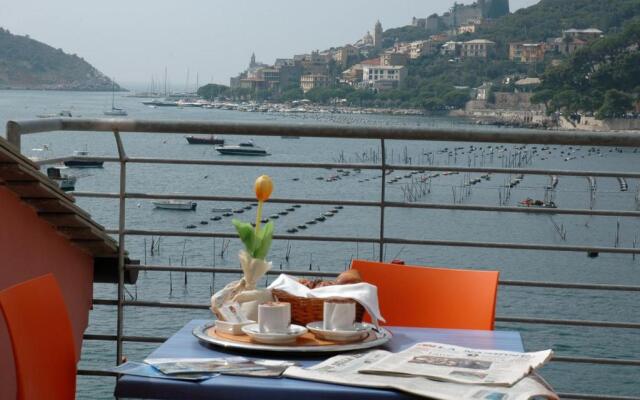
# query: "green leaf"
264,238
247,235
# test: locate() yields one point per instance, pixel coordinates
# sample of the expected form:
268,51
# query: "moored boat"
211,139
160,103
243,149
180,205
81,159
116,112
65,182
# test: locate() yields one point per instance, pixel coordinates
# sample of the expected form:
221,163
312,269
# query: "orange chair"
41,339
432,297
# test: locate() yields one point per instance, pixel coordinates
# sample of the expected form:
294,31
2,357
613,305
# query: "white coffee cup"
274,317
339,315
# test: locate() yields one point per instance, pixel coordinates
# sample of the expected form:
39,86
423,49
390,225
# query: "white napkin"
364,293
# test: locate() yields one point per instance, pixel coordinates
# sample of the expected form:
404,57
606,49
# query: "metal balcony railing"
504,136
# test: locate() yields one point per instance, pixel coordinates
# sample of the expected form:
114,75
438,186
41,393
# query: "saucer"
233,328
253,331
359,331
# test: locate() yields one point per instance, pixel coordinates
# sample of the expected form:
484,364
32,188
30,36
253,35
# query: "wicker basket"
305,310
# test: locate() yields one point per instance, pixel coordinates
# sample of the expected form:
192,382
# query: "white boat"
64,181
243,149
160,103
182,205
79,160
115,111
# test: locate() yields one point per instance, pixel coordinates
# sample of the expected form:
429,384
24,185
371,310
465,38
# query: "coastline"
70,89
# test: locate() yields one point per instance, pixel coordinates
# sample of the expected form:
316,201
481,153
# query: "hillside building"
527,85
393,57
382,77
575,39
419,22
342,55
377,36
470,28
249,77
465,15
417,49
451,48
588,35
482,92
527,53
353,75
313,81
314,63
479,48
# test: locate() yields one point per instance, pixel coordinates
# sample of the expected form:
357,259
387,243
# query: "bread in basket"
305,310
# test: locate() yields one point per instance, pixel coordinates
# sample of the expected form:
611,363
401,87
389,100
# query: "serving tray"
306,343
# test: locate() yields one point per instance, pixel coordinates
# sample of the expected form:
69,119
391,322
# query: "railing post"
13,134
383,168
121,251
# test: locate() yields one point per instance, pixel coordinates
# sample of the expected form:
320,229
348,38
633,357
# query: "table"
184,344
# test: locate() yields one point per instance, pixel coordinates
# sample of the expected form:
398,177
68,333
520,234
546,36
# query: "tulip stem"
259,216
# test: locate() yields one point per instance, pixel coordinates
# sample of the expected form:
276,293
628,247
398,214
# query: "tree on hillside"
616,104
583,81
212,90
549,18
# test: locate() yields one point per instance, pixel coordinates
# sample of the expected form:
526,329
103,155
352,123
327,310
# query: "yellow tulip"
263,187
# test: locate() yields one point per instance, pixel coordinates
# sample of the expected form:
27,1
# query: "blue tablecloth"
184,345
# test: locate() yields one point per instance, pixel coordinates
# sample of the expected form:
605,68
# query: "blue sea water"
572,192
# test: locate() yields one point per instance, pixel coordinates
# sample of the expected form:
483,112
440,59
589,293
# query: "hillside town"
378,62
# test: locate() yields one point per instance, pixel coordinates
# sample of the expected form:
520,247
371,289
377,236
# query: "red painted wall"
30,247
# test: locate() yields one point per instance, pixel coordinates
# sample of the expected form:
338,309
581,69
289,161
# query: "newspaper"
343,370
147,371
227,366
460,364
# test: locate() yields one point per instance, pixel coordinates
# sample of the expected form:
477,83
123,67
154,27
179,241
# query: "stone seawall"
514,109
593,124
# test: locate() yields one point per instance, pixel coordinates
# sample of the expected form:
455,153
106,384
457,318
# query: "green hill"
549,18
543,20
603,77
432,79
28,64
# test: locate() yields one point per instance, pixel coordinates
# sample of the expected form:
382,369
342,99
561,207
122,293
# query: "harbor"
444,209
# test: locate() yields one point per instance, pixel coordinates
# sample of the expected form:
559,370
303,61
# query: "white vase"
244,290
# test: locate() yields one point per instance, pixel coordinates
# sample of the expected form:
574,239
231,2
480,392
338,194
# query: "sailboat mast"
165,81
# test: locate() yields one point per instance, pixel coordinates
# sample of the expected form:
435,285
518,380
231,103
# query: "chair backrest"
432,297
41,339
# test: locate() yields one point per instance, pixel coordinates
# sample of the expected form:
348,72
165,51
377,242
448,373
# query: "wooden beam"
31,189
54,205
97,248
63,219
13,172
77,233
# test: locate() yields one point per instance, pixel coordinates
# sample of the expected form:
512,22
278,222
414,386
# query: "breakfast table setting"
323,339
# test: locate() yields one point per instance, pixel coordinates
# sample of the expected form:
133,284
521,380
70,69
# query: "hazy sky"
133,40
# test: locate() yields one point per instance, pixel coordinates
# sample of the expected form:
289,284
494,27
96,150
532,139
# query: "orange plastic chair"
432,297
41,339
